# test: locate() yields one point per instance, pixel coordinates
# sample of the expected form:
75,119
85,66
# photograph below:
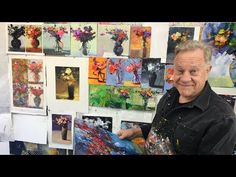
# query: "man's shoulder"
221,106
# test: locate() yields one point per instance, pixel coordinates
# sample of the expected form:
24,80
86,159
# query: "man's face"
190,74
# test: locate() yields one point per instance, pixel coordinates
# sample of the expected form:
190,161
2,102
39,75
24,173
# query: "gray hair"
193,45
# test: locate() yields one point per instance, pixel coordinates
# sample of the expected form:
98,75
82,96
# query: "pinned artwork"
83,39
28,84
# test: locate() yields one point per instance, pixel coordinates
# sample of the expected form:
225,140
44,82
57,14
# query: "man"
190,117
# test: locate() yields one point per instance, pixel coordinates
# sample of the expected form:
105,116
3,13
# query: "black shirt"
206,125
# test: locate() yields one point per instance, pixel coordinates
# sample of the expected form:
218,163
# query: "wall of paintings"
59,81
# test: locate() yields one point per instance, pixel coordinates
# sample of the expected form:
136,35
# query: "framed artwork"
61,130
83,39
67,83
27,84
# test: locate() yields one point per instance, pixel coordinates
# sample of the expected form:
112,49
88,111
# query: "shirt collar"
202,101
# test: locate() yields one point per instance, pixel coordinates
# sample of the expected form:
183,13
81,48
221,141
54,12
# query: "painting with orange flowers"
97,70
169,77
33,35
27,85
113,40
140,41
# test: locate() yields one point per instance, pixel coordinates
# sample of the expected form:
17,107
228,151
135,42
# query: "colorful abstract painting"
97,70
169,77
129,98
132,72
221,36
56,39
140,41
83,39
91,140
176,36
153,74
115,71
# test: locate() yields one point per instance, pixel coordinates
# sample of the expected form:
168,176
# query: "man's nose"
186,77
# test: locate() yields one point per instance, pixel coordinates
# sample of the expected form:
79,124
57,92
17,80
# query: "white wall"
4,82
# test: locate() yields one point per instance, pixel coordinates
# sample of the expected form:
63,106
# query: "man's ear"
209,68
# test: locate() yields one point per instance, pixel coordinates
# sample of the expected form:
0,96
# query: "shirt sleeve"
220,138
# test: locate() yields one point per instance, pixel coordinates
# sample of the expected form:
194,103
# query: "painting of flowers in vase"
62,128
67,83
27,85
113,40
221,36
36,96
97,70
16,37
140,42
176,36
33,35
153,74
132,74
115,71
83,39
56,39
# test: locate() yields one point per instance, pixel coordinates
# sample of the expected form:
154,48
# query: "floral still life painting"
140,42
27,84
113,40
97,70
123,97
61,129
16,38
33,35
83,39
67,83
176,36
56,39
91,140
222,37
152,75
